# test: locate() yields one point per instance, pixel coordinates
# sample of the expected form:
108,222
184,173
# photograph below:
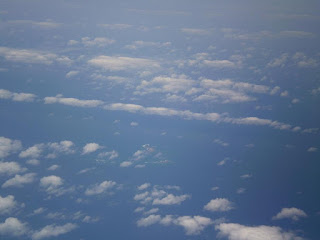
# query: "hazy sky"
160,120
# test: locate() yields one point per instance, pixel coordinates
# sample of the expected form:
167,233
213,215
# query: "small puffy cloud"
245,176
32,152
147,221
195,31
10,168
72,74
219,205
134,124
220,142
90,147
8,146
53,231
117,63
17,97
98,41
32,56
193,225
170,199
110,155
291,213
52,185
234,231
19,180
13,227
64,146
33,162
116,26
241,190
126,164
100,188
312,149
7,204
53,167
72,101
144,186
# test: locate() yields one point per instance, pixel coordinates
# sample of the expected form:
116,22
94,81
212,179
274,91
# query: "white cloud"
312,149
7,204
165,84
8,146
72,101
32,56
42,24
220,142
10,168
170,199
195,31
134,124
140,44
219,205
19,180
116,26
53,167
33,162
144,186
13,227
65,146
53,231
234,231
32,152
245,176
115,63
147,221
279,62
72,74
90,147
100,188
52,185
99,41
110,155
126,164
292,213
193,225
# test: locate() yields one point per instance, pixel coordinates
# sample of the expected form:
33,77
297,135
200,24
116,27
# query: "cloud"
193,225
116,26
134,124
53,231
170,199
312,149
53,185
72,101
220,142
219,205
19,180
99,41
110,155
196,31
292,213
140,44
33,162
234,231
7,204
32,56
147,221
144,186
100,188
165,84
115,63
13,227
8,146
41,24
10,168
126,164
17,97
53,167
32,152
90,147
72,74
